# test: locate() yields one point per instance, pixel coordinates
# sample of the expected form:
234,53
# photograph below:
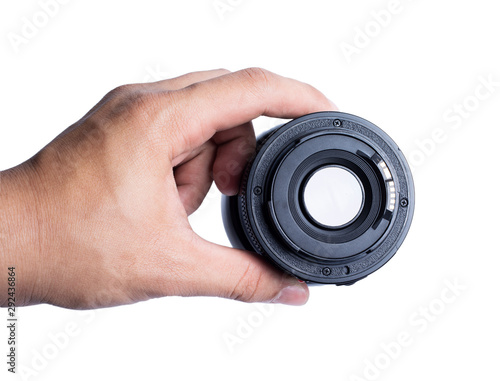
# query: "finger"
170,84
194,178
241,275
188,79
188,155
234,147
205,108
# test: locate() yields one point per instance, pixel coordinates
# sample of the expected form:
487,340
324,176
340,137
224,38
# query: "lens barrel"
328,197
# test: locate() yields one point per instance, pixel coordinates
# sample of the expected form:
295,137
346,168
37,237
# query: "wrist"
20,233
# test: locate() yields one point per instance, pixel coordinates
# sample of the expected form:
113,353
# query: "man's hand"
99,217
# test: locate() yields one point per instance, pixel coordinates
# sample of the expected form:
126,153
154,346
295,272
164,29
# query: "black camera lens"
328,197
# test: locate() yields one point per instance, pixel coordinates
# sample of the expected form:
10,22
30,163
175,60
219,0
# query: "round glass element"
333,196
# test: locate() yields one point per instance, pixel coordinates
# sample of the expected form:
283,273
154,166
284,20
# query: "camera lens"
328,197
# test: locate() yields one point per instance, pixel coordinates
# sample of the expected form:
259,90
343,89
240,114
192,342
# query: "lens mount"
364,199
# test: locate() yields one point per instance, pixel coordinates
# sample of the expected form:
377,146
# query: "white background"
406,77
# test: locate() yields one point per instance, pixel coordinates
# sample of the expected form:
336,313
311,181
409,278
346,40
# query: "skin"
98,218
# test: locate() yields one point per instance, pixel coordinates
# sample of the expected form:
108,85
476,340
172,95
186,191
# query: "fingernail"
292,295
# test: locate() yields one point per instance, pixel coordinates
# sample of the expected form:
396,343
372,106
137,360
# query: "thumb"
241,275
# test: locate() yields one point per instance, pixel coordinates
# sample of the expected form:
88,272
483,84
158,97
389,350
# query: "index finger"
230,100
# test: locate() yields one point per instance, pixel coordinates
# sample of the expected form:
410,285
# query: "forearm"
19,234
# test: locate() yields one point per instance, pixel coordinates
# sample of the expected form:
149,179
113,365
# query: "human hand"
98,218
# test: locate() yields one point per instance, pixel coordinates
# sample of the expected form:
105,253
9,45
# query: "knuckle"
133,112
248,284
223,71
144,102
258,79
132,101
122,90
